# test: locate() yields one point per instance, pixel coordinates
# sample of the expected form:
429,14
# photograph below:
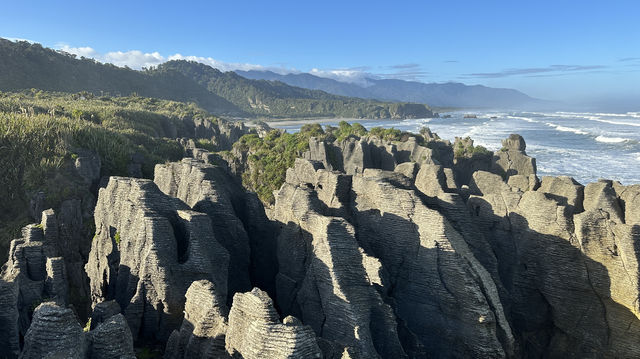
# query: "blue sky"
562,50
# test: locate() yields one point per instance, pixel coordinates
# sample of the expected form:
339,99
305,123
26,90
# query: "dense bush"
40,134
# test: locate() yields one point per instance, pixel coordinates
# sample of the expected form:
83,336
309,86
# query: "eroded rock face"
202,334
255,330
147,250
512,158
54,333
567,261
208,189
398,254
323,276
9,320
111,339
354,155
238,220
32,274
431,271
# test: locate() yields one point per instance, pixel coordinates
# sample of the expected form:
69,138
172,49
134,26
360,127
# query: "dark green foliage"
24,65
269,157
276,99
41,134
465,148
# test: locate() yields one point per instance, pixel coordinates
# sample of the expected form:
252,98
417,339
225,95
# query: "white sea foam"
606,139
567,129
527,119
614,122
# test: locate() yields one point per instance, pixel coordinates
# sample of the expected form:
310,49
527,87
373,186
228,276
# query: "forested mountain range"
24,65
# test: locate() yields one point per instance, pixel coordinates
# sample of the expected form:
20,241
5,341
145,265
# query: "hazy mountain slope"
277,99
435,94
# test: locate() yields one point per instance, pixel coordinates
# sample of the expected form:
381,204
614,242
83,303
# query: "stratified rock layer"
255,330
202,334
147,250
54,333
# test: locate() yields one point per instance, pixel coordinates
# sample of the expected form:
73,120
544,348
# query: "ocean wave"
527,119
567,129
606,139
614,122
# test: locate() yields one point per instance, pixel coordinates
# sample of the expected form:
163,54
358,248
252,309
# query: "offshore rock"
255,330
147,250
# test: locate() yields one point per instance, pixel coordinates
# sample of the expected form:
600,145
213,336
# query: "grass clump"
42,132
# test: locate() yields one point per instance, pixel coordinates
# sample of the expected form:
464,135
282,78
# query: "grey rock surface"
512,158
111,339
202,334
148,249
255,330
54,333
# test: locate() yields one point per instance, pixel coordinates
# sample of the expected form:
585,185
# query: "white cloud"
358,77
136,59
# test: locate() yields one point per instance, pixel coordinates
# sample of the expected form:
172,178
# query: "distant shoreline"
289,122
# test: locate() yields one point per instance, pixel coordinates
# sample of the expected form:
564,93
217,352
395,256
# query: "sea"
583,145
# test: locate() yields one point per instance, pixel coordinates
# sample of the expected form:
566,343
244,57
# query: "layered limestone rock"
31,275
571,280
148,249
9,320
512,158
239,223
323,277
111,339
202,334
353,155
208,189
431,270
222,134
255,330
54,333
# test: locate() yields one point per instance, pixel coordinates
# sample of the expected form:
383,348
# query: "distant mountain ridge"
449,94
24,65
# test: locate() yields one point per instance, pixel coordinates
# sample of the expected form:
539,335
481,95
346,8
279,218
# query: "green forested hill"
24,65
277,99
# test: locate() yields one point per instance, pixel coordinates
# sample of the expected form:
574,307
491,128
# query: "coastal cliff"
373,246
